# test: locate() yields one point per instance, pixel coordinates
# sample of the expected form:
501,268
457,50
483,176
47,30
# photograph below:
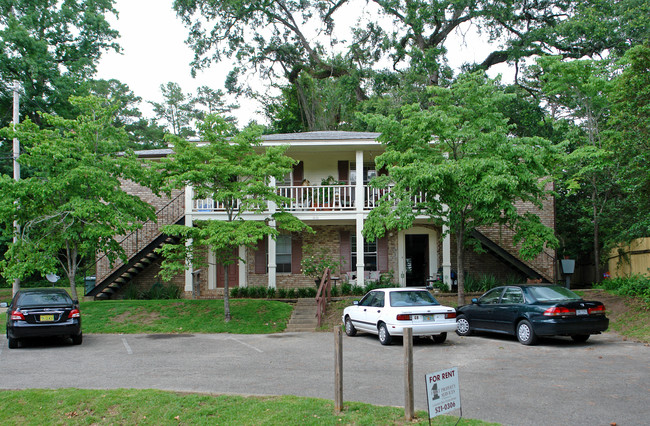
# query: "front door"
417,259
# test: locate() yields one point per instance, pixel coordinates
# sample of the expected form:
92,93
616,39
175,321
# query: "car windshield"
553,294
44,299
412,298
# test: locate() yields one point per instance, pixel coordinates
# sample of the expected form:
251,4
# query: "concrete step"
303,318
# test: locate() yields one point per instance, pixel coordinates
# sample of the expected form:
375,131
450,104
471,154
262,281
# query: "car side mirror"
3,305
356,302
475,300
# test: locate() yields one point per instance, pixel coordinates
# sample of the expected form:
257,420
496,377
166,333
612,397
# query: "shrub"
282,293
346,289
131,292
636,285
161,292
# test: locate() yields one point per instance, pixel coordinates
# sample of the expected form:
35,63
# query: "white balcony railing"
303,198
321,198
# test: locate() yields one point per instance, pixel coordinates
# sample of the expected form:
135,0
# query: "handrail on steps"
134,242
324,295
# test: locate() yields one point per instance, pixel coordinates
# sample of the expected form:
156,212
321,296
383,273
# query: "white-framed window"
369,255
283,253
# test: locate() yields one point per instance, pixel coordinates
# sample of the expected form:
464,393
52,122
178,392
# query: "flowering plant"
314,262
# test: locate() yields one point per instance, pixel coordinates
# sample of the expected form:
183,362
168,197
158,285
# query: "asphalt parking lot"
603,381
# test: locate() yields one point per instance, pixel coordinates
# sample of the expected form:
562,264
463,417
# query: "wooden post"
409,412
338,369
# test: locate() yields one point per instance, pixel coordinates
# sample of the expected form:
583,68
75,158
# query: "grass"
133,406
249,316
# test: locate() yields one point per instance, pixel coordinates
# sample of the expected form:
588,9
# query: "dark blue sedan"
531,311
35,313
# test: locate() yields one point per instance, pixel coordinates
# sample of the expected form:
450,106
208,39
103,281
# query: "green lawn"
249,316
144,407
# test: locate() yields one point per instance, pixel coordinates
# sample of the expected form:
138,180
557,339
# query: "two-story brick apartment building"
330,192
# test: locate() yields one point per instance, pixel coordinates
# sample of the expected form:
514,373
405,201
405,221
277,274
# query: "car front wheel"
384,337
463,326
439,338
525,333
349,327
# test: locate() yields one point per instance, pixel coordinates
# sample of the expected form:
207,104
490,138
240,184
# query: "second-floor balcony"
313,198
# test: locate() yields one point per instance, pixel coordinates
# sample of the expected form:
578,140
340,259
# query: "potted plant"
327,192
314,262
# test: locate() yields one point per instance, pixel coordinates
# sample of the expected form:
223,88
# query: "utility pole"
16,118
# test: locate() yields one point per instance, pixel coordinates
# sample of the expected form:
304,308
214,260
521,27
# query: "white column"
243,278
360,200
446,256
189,205
272,266
212,271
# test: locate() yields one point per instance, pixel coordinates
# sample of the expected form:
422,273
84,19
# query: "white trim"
212,271
242,267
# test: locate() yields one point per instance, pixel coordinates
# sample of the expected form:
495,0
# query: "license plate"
437,317
582,312
45,318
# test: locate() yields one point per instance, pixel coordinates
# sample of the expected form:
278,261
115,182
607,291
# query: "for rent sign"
443,392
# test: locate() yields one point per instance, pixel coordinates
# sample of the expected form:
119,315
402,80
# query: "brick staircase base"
303,317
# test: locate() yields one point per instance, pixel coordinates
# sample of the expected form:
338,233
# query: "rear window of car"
44,299
412,298
553,294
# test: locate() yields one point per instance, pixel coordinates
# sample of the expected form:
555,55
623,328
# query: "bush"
161,292
636,285
481,283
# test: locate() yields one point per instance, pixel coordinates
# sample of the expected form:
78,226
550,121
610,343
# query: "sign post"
443,392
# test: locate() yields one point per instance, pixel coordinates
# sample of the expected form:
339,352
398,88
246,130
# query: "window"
370,254
283,253
369,172
491,297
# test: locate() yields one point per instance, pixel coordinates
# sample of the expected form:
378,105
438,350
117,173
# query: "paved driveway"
603,381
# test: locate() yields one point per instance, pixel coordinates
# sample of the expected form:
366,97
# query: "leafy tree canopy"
235,172
458,164
50,47
72,205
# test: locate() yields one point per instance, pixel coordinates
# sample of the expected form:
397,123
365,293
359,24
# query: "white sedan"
386,312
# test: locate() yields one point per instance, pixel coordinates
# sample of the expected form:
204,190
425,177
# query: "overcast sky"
154,53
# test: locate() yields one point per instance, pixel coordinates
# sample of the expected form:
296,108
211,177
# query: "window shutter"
260,256
298,173
346,252
344,171
296,253
382,254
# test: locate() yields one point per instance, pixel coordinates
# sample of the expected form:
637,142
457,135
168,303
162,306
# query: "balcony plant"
326,192
314,262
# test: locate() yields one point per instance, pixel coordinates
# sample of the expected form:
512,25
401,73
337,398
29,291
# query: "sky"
154,53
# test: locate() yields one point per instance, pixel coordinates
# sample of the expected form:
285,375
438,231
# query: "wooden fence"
630,259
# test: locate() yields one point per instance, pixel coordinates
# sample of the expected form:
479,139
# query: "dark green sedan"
531,311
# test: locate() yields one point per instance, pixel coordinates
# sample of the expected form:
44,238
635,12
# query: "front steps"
303,317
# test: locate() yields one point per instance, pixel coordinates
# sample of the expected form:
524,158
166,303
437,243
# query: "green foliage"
233,171
636,285
459,159
315,261
71,201
51,48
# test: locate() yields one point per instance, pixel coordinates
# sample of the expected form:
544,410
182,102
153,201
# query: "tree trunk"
226,295
596,241
72,270
460,264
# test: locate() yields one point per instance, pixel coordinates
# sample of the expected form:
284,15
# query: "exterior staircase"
303,317
140,251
